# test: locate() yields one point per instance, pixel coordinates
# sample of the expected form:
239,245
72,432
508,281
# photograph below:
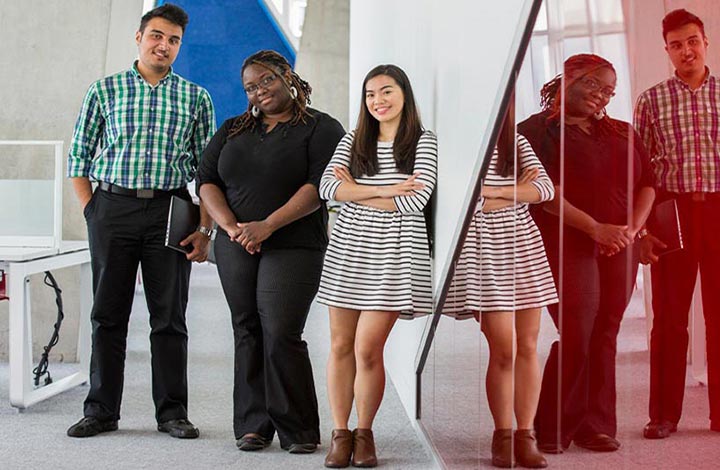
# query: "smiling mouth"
382,110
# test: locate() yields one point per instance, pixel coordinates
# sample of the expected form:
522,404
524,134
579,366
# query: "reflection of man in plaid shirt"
679,122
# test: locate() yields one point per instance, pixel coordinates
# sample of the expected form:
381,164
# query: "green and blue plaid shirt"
149,137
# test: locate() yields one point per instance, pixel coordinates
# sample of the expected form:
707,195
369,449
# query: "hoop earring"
293,92
600,114
255,111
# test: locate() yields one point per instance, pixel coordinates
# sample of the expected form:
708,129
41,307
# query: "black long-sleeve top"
260,171
598,167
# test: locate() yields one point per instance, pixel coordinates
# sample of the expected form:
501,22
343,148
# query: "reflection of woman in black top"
258,179
598,263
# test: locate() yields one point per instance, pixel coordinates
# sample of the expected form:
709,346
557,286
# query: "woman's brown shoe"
363,448
526,450
341,447
502,455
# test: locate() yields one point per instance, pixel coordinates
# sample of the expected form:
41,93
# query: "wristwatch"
207,231
642,233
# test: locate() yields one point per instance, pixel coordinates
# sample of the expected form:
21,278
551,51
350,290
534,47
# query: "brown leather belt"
139,193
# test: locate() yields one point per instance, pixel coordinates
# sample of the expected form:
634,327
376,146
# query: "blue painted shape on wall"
219,36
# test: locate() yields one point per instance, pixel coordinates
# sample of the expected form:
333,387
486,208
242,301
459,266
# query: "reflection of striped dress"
377,259
503,266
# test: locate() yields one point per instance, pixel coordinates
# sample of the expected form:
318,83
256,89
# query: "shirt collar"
136,73
682,83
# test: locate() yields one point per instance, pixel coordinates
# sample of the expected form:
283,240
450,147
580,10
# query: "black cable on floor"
42,367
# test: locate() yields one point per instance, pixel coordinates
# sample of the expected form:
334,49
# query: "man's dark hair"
676,19
169,12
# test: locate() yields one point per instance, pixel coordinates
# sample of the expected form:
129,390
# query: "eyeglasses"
264,84
593,85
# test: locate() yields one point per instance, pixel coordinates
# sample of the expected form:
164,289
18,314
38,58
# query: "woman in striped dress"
377,265
503,274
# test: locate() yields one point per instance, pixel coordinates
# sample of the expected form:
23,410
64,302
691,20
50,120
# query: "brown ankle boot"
502,455
363,448
341,446
526,451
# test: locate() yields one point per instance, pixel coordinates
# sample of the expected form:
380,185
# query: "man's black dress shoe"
91,426
251,441
307,448
598,443
181,428
659,429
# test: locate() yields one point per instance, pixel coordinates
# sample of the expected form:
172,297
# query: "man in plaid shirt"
679,122
140,134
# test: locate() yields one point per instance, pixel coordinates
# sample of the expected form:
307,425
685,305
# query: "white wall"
455,53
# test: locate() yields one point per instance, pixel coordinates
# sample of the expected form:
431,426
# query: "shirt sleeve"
643,124
426,165
528,159
208,168
647,175
89,128
328,183
322,145
204,125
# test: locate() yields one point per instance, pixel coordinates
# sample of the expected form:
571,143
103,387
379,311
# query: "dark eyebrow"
261,77
680,41
163,33
381,89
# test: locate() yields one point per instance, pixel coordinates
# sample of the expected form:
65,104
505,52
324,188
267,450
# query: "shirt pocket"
180,123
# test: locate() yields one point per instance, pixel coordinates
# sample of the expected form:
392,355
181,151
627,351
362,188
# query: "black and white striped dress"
377,259
503,266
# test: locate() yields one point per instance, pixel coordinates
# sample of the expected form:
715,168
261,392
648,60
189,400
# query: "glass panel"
278,4
614,48
536,70
297,16
576,45
27,208
607,12
541,23
595,380
27,194
574,15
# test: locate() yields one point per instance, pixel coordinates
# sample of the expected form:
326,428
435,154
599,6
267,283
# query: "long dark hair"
576,67
507,142
278,65
363,153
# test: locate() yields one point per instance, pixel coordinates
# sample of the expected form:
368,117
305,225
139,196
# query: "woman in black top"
258,179
606,196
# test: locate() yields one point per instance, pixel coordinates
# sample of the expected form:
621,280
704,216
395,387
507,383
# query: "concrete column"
323,58
51,52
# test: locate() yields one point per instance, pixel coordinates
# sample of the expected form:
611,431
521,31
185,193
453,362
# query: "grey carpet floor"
35,438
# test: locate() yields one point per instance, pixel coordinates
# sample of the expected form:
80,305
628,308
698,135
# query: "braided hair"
575,68
278,65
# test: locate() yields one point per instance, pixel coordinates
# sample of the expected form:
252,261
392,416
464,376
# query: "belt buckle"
145,193
698,197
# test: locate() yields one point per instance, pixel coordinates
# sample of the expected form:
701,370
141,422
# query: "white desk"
19,264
